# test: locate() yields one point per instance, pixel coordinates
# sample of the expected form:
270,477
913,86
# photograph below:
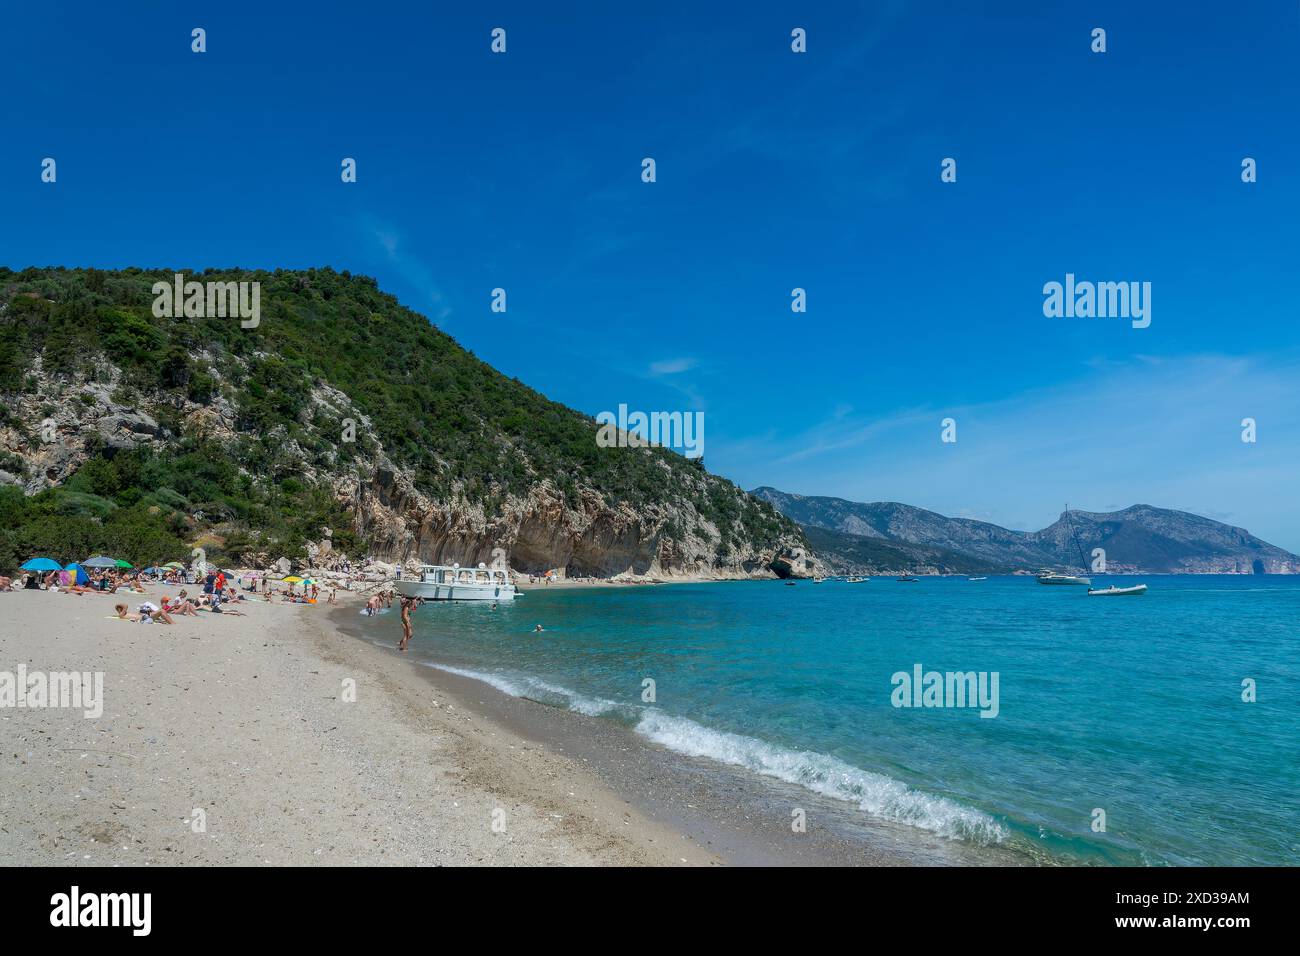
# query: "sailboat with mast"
1049,576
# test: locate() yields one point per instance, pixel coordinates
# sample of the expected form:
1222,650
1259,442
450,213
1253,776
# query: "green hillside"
459,428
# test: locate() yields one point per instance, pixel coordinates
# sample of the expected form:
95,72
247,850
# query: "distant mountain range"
885,536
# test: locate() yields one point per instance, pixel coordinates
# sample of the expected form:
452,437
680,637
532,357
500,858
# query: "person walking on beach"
407,631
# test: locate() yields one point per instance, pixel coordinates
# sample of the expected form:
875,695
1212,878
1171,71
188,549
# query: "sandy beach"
237,740
240,724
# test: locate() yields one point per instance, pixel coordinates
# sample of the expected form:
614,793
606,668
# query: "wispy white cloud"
409,268
673,366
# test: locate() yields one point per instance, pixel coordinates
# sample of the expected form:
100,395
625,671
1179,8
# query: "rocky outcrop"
54,427
795,563
541,532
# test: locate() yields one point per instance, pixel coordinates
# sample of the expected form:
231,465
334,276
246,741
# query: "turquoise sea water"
1131,705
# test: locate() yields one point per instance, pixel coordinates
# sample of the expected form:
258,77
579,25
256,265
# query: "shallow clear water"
1130,705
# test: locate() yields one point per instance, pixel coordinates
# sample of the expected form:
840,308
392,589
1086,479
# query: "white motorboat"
1114,591
440,582
977,579
856,580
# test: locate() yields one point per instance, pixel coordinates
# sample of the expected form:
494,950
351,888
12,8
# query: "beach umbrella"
42,564
174,564
292,579
80,577
125,564
99,561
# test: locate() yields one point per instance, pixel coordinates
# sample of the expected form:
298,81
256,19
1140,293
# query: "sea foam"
535,688
874,793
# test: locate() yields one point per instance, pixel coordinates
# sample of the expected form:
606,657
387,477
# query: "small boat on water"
856,580
1047,576
789,584
906,579
1114,591
818,580
438,582
977,579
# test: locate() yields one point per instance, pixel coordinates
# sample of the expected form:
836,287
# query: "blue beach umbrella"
42,564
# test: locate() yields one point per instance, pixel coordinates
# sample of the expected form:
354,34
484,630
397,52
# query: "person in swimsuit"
408,604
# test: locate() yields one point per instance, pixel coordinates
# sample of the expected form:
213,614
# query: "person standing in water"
408,604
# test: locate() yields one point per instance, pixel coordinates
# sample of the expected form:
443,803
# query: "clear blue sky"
775,170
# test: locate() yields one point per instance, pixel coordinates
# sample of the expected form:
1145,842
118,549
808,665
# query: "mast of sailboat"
1083,560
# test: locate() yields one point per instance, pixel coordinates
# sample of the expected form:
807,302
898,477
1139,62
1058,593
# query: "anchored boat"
1048,576
439,582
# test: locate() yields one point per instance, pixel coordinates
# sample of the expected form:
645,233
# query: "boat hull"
1064,579
435,591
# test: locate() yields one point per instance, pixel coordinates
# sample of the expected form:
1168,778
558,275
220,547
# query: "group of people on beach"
109,582
384,599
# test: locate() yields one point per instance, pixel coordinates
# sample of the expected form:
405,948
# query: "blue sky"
775,171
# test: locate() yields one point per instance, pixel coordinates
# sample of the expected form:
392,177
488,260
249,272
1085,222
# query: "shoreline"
243,718
742,816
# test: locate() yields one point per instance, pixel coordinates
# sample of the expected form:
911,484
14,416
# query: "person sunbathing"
156,614
216,608
6,584
181,606
122,613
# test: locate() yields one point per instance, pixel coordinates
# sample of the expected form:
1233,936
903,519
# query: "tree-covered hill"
342,409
